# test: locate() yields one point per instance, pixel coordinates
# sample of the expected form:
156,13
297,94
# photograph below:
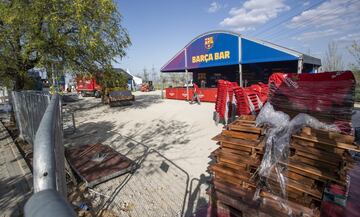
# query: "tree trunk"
19,82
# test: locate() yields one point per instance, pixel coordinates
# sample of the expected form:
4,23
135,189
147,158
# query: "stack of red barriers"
249,100
223,104
327,96
235,100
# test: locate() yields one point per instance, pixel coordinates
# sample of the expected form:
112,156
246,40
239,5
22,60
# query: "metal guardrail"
48,162
48,167
29,108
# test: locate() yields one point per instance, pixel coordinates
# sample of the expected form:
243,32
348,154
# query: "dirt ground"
157,134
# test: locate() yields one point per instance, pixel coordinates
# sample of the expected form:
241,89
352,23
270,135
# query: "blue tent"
228,52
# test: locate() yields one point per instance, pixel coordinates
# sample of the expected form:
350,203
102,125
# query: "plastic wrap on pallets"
328,96
279,130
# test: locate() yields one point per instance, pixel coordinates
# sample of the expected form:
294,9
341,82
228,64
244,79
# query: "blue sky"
160,28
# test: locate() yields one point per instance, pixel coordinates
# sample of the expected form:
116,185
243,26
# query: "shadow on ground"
161,134
161,193
141,102
82,108
158,185
87,103
166,191
144,101
91,133
12,197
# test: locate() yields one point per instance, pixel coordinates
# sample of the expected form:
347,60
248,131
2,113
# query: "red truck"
87,86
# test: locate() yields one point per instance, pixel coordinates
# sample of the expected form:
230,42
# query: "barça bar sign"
216,49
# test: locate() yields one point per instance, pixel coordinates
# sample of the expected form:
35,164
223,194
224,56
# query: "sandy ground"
178,136
169,139
178,130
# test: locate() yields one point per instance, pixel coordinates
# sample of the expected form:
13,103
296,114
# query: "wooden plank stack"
317,158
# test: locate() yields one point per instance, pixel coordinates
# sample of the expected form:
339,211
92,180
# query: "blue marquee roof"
221,48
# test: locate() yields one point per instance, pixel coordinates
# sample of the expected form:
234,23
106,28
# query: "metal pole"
59,151
162,88
48,203
44,151
48,167
187,84
300,66
186,76
240,75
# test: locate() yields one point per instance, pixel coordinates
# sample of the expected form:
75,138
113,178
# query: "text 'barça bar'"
213,50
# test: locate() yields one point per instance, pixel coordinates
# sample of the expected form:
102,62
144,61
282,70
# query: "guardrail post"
49,172
50,194
48,203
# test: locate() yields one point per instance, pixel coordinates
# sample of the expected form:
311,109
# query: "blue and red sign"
211,50
214,49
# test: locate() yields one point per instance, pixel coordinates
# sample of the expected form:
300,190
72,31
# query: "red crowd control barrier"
327,96
224,100
179,93
247,100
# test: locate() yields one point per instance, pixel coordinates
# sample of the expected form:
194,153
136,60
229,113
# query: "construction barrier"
180,93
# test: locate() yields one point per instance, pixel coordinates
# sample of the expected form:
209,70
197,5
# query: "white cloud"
214,7
252,13
307,36
332,18
317,54
333,13
305,45
349,37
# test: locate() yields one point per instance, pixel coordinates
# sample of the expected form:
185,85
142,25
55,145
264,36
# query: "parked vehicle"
87,86
120,98
147,86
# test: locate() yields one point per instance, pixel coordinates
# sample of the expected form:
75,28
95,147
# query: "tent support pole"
240,75
300,66
187,84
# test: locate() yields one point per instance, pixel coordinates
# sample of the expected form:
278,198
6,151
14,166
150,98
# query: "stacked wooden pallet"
317,158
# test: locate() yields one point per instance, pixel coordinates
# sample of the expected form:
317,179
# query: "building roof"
122,71
221,48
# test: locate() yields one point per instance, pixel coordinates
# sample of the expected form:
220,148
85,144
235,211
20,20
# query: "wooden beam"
330,143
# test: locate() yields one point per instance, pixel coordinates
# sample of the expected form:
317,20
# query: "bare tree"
145,75
332,60
154,74
354,50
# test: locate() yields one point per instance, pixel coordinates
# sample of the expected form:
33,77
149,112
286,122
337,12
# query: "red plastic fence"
327,96
179,93
248,100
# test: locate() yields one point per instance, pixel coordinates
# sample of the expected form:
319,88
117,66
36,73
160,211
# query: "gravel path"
172,178
15,177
